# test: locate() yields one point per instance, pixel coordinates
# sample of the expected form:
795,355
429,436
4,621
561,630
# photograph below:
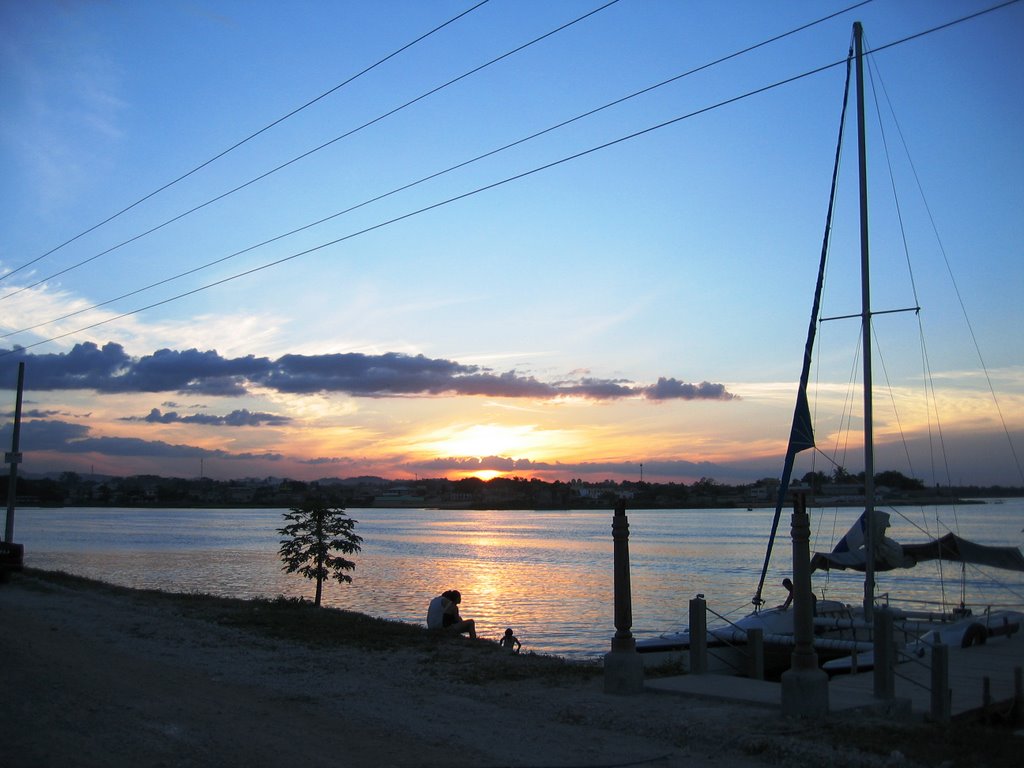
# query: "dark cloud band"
110,370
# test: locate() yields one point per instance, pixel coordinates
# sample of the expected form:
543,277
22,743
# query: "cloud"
109,370
328,460
672,389
35,413
665,469
475,464
75,438
239,418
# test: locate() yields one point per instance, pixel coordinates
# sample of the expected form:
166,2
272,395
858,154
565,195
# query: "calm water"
546,574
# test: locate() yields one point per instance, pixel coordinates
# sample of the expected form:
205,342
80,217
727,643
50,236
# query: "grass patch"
296,621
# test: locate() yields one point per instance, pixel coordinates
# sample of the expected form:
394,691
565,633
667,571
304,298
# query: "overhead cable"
306,154
502,182
248,138
431,176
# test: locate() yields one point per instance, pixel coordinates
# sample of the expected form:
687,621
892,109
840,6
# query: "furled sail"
850,552
801,435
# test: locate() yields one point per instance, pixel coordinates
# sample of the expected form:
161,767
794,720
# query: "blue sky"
643,303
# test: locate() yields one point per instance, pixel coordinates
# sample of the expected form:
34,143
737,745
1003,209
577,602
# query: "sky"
334,239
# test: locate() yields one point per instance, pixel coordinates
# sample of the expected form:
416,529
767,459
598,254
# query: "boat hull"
843,640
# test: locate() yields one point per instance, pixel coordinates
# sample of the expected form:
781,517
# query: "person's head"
508,632
787,583
455,596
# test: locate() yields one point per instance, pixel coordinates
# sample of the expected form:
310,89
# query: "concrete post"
885,655
941,695
698,635
755,649
804,684
623,669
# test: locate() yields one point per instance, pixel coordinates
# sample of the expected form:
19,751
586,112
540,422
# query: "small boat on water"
844,632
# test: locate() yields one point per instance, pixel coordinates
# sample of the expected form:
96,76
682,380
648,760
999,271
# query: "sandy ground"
90,678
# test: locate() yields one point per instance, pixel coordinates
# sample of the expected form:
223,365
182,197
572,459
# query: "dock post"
804,684
885,662
941,695
755,646
623,668
1018,696
698,635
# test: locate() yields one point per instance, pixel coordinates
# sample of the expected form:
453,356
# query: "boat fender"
976,634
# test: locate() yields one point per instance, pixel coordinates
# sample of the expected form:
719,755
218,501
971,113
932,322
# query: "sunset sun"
483,440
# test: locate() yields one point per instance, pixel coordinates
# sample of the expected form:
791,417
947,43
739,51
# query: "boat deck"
968,670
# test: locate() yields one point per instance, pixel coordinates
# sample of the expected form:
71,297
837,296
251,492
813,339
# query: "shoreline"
109,676
812,503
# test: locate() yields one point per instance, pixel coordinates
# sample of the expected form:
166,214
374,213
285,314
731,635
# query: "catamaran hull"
843,640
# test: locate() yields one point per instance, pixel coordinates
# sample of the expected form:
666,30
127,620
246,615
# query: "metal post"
871,532
941,695
698,635
623,668
804,684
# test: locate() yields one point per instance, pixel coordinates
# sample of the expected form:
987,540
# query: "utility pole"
14,459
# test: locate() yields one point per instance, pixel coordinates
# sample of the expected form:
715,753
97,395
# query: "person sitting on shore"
510,643
443,613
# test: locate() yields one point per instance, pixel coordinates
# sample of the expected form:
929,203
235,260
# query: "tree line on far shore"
73,489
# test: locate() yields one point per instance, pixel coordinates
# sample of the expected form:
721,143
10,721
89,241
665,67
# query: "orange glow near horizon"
486,474
482,440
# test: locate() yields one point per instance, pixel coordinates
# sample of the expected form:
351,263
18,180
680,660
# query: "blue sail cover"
801,434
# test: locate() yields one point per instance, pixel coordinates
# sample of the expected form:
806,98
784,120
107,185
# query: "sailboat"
843,632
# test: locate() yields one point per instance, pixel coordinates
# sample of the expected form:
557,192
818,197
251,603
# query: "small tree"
317,530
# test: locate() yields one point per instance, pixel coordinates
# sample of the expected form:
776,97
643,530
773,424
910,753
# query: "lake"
546,574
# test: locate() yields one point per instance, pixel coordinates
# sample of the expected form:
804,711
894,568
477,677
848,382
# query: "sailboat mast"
869,458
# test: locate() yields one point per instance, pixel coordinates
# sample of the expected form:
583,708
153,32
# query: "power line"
306,154
431,207
236,145
430,176
502,182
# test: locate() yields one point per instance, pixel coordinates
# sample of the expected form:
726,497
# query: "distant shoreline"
811,503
